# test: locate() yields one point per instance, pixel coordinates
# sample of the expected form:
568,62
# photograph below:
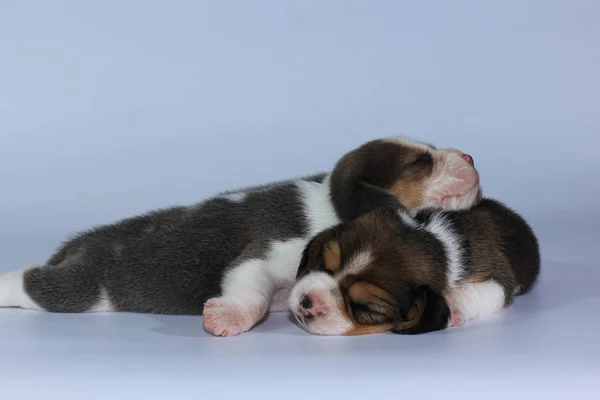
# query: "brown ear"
366,178
427,312
322,251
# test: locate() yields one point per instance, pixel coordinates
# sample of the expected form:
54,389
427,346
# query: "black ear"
361,177
367,198
427,312
305,257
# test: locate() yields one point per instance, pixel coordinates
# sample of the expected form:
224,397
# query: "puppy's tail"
12,290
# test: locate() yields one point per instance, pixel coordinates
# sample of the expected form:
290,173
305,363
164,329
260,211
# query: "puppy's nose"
468,159
311,307
306,302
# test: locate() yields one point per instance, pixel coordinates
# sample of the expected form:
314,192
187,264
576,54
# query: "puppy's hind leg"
471,301
246,292
67,287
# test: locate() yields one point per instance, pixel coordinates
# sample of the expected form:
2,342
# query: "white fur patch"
356,264
256,281
454,183
279,300
236,197
317,205
246,294
410,142
477,300
408,220
249,281
283,260
442,229
12,292
103,304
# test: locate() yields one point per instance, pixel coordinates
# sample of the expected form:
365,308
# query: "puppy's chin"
326,315
462,201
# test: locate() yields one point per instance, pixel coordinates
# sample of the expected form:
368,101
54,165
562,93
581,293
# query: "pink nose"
311,307
468,159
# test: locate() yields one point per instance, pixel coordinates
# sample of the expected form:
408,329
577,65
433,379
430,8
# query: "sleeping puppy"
388,270
234,257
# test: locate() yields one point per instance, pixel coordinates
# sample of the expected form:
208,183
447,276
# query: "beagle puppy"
391,271
232,258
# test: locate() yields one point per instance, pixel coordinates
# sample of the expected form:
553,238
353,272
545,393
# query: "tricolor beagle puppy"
234,257
390,270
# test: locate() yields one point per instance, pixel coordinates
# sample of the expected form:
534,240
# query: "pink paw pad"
225,318
457,318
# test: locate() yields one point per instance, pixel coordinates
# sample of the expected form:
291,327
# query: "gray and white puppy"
234,257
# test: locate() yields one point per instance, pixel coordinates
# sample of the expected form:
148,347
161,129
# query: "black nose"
306,302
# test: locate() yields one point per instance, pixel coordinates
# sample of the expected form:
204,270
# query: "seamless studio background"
109,109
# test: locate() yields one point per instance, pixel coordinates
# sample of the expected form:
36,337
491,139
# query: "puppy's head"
370,275
419,176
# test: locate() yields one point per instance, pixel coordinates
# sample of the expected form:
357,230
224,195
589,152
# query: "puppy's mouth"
303,319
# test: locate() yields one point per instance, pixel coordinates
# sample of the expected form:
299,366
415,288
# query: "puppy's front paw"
224,317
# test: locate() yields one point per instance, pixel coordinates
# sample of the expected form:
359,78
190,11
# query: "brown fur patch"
332,256
410,193
487,260
364,293
369,329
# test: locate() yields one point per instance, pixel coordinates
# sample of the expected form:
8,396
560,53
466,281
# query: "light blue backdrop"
110,108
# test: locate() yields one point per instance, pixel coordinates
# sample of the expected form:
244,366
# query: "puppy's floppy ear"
360,179
313,252
426,311
310,253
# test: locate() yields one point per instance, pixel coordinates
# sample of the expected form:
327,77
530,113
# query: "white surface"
546,345
110,108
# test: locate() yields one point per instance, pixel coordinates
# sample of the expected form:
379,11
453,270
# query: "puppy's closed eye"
419,168
423,159
369,304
